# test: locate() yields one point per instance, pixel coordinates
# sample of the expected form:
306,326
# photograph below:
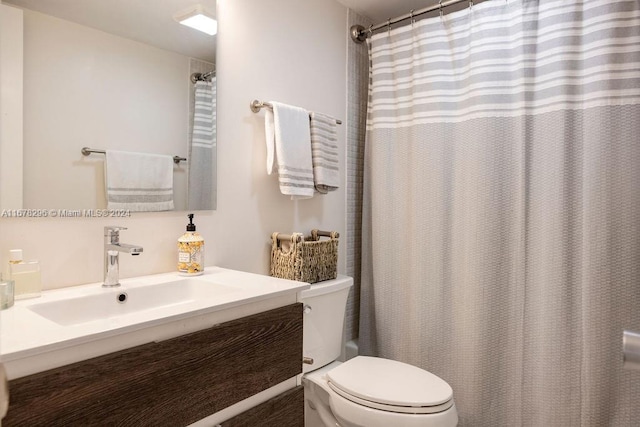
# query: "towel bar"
87,151
256,106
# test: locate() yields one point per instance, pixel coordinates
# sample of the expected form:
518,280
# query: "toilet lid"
390,385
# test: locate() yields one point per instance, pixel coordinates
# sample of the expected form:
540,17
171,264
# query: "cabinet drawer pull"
307,360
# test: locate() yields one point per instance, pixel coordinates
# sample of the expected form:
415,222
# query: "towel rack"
87,151
256,106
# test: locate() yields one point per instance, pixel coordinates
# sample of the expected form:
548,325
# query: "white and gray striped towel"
324,149
288,137
139,182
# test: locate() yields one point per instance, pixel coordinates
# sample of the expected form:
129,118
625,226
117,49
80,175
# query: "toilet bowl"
364,391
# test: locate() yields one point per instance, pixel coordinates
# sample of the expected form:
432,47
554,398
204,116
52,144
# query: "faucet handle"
113,228
112,232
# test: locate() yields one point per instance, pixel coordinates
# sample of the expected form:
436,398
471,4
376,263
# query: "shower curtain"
501,224
201,186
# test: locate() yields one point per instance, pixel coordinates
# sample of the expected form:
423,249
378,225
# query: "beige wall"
85,87
284,50
11,117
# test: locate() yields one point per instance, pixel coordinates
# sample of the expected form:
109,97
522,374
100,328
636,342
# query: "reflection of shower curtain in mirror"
203,142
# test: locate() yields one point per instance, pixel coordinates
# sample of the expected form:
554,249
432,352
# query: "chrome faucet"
112,249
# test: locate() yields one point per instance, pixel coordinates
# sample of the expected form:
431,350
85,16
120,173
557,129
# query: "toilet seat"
390,385
390,408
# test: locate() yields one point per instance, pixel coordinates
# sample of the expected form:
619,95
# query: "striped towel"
288,138
324,149
139,182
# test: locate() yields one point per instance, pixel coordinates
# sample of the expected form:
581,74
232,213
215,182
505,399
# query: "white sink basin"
126,300
77,323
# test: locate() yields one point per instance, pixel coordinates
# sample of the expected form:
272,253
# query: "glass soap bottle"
191,251
6,293
25,275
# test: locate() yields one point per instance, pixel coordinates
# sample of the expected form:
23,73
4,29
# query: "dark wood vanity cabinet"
174,382
285,410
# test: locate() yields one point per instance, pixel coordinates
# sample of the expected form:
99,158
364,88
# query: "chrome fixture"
359,33
630,350
112,249
256,106
86,151
204,77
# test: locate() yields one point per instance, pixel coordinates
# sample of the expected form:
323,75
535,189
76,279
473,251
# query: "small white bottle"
25,275
191,251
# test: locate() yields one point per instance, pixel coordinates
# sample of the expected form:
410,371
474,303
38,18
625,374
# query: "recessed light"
199,18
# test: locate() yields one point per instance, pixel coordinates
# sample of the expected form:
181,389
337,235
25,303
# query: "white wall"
11,117
85,87
284,50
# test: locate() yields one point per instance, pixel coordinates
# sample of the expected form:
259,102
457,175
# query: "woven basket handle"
295,238
316,234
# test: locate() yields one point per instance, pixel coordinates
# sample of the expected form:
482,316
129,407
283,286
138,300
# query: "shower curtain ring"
389,26
370,30
412,20
470,4
440,6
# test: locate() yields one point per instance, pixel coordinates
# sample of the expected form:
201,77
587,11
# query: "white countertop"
26,334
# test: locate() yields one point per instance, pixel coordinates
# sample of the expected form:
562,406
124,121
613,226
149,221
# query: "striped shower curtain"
201,190
501,236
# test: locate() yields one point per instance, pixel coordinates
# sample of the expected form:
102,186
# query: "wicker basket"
305,259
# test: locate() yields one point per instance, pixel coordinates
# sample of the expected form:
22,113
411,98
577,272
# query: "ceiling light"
199,18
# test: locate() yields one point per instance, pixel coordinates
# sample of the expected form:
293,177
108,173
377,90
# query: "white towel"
288,135
324,147
139,182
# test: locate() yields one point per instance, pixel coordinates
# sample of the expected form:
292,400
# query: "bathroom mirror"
111,75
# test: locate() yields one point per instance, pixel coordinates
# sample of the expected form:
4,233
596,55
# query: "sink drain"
122,297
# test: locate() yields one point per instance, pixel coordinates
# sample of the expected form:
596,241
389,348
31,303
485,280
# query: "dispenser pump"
191,226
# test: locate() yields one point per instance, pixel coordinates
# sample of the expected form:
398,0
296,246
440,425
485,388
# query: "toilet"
363,391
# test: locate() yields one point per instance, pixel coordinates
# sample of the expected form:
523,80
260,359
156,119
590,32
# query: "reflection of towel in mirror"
324,149
139,182
201,193
288,137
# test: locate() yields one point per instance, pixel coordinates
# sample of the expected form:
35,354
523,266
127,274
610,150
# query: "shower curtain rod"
360,33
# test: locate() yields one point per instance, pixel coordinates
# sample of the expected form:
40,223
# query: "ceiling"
146,21
151,21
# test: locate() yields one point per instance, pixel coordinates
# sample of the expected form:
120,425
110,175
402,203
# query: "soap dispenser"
190,251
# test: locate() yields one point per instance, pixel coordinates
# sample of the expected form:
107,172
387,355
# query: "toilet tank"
324,311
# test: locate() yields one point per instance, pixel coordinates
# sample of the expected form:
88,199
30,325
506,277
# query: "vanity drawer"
284,410
170,383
